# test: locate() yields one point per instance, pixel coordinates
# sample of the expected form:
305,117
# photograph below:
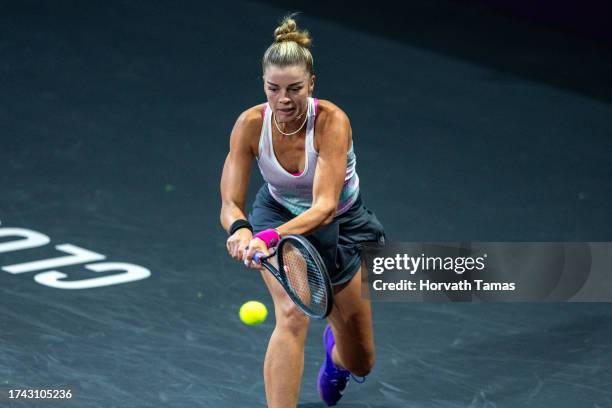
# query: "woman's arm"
334,134
235,179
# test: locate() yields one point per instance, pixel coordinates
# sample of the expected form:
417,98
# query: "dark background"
472,121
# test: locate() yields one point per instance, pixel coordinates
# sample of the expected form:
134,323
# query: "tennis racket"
302,274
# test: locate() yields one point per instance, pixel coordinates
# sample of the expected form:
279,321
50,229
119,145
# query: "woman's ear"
311,85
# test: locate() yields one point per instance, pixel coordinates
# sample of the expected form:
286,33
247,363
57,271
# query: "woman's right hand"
256,245
238,242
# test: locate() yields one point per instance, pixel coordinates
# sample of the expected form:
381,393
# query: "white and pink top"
294,191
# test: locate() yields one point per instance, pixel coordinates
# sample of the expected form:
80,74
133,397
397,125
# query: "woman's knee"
362,365
290,319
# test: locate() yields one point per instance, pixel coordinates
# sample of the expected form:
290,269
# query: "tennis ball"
253,313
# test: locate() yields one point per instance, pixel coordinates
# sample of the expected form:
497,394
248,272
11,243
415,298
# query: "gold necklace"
292,133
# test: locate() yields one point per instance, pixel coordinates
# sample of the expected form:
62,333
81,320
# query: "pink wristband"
269,236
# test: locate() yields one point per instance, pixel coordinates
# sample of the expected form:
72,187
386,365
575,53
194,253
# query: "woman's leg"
284,363
351,322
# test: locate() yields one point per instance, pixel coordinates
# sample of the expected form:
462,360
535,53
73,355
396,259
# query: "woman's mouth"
286,112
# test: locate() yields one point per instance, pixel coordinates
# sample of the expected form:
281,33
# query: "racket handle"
257,257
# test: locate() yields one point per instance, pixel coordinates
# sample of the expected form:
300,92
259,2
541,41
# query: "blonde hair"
290,47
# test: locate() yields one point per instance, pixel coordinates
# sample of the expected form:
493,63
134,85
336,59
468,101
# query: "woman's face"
288,89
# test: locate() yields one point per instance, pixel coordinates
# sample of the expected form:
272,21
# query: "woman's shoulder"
250,121
248,127
327,111
330,116
331,120
252,117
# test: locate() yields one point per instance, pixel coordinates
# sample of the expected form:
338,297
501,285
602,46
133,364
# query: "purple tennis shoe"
332,380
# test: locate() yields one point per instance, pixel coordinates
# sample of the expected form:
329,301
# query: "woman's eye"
290,89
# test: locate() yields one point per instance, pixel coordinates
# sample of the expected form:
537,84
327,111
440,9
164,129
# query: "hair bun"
291,46
288,31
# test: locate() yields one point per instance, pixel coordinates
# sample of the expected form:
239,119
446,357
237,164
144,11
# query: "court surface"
114,124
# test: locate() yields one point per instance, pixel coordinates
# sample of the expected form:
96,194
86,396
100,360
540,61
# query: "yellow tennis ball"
253,313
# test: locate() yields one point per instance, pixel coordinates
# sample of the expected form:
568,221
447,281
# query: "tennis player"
304,150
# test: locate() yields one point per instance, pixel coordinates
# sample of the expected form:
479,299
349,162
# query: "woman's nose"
282,97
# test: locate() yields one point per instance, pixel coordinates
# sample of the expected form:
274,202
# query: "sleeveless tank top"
294,192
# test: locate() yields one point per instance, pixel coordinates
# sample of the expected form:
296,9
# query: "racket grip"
257,257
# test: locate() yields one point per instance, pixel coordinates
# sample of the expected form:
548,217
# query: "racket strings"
304,278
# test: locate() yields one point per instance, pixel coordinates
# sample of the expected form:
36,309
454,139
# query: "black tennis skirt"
339,242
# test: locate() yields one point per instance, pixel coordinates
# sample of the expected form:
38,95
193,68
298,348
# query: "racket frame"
281,277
